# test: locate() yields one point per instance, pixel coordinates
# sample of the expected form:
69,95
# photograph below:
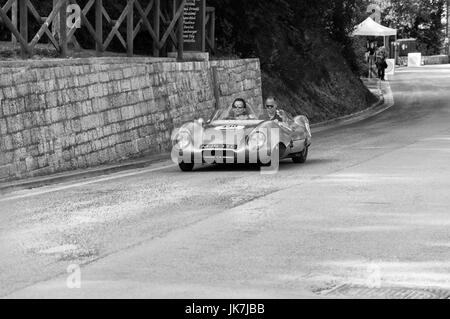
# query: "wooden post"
25,48
99,26
203,24
212,30
14,14
130,28
396,51
56,25
447,6
216,88
174,11
23,11
156,27
180,35
63,29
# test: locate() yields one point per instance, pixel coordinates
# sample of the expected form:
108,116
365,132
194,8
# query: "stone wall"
67,114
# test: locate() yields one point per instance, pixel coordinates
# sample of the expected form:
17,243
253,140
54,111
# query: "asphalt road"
371,208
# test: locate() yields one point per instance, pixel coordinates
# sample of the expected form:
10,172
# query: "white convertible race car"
231,136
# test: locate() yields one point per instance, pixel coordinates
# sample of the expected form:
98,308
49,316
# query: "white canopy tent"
371,28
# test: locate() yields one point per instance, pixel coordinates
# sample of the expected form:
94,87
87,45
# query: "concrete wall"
66,114
435,59
427,60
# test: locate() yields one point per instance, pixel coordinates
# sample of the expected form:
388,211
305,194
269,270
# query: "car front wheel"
186,167
301,158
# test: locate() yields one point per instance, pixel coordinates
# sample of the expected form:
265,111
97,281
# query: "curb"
384,103
36,182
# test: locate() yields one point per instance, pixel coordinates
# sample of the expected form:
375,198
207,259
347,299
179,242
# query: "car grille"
219,147
218,153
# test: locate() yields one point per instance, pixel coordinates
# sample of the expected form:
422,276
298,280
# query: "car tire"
301,158
186,167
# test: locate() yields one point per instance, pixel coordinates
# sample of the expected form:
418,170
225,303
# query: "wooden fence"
210,29
161,19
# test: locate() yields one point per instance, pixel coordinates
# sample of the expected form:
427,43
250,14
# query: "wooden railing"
161,19
210,23
11,5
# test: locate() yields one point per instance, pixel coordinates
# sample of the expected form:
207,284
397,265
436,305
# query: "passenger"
240,110
274,112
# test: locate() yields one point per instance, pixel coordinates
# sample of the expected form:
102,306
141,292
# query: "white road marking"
375,148
103,179
59,250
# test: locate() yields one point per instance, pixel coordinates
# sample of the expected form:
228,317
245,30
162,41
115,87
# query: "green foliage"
421,19
306,54
275,30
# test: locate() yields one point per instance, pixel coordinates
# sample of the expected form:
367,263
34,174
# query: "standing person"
381,62
371,50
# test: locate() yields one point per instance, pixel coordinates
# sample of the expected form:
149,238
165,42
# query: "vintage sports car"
241,136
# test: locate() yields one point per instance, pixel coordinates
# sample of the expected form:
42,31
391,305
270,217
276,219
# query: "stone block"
15,123
6,79
95,90
51,99
89,122
10,92
125,85
26,138
104,77
31,163
5,171
93,78
6,143
3,127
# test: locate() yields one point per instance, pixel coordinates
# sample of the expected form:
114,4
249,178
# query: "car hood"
228,132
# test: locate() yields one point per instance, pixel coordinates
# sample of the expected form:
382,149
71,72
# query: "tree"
421,19
255,28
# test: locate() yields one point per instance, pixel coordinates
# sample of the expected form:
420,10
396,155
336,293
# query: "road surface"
367,215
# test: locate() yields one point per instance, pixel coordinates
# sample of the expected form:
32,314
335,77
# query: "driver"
240,110
274,112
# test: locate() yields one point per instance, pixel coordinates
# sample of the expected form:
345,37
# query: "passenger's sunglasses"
240,107
270,106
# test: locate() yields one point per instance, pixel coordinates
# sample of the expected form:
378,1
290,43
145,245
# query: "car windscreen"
230,114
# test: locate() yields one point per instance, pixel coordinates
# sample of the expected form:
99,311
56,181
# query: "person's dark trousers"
381,73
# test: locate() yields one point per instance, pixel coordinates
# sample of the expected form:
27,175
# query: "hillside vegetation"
306,57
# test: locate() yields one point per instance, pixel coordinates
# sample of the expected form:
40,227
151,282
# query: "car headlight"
183,140
257,140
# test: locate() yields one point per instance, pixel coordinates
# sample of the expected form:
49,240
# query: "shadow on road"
284,165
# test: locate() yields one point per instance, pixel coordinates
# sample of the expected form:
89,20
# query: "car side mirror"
201,121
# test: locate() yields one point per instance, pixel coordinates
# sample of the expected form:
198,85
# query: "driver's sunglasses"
270,106
235,107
